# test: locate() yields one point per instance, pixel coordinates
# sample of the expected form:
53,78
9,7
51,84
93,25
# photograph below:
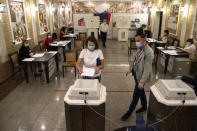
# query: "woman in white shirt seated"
92,57
165,37
190,48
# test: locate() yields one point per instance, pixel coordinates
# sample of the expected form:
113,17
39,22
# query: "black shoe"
104,46
125,117
37,74
141,110
40,70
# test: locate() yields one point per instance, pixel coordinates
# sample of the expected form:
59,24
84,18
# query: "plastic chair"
71,59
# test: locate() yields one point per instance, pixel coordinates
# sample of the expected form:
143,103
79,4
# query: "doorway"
157,24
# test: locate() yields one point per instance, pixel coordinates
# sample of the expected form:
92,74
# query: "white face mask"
26,44
49,36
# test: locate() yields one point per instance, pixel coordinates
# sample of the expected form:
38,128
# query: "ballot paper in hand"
88,72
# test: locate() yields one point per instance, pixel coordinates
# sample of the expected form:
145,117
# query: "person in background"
48,40
141,30
190,48
63,32
142,72
24,51
165,37
91,58
104,31
192,81
54,36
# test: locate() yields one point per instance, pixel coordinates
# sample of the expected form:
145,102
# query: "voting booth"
123,25
85,106
92,25
172,106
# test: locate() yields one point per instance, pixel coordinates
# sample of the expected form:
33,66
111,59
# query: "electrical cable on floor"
176,118
171,113
118,125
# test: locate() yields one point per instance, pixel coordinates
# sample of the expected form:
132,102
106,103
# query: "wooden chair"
170,42
71,59
14,62
193,67
41,46
131,46
82,36
79,45
176,42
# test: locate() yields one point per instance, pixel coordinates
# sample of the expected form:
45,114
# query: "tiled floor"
39,106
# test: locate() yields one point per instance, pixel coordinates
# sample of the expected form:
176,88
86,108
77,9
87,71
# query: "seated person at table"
24,51
63,32
165,37
141,30
48,40
190,48
54,36
92,58
192,81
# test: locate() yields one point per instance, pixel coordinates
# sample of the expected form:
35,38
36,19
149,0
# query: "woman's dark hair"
190,40
63,29
166,31
54,36
94,40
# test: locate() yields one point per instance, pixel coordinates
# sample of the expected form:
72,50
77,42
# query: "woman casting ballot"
91,58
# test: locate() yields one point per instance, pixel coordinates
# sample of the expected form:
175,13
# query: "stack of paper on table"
28,59
38,55
170,52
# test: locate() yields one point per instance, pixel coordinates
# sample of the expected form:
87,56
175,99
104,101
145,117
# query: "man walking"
104,31
141,70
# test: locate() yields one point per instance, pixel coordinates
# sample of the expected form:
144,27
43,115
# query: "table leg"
157,53
47,71
25,72
64,54
166,64
57,62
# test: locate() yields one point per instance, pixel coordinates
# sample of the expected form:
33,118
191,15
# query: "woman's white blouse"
90,58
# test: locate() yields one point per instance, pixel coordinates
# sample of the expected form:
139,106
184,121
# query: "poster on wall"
195,29
43,23
63,16
69,13
173,18
18,21
81,21
55,17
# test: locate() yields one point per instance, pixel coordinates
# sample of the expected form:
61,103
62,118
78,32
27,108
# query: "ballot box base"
183,118
85,117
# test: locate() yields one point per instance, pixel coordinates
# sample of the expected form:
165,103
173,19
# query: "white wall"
113,31
3,49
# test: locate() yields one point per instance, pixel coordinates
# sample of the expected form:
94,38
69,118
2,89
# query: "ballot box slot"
84,93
